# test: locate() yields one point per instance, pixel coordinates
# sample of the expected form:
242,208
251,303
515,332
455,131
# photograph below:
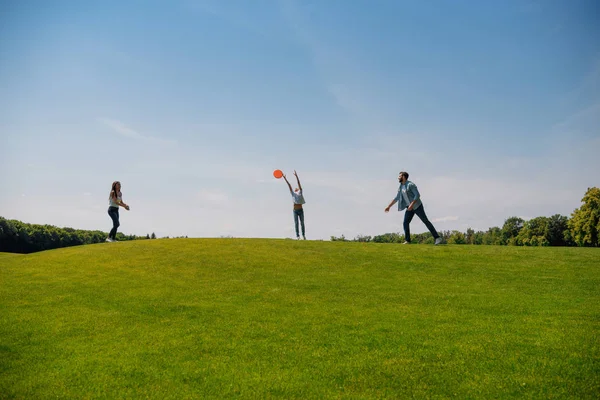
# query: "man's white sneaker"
438,240
297,237
109,240
406,242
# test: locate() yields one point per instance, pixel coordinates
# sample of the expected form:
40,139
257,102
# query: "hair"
113,189
404,174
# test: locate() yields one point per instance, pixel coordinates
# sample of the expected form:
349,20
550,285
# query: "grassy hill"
257,318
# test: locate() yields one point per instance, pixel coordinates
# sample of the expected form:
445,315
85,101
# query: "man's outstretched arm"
391,204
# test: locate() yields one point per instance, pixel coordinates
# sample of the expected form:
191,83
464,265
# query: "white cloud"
213,198
346,98
587,118
339,71
124,130
445,219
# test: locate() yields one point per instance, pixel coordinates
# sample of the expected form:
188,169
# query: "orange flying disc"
277,173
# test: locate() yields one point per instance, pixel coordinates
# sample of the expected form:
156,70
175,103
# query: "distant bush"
21,237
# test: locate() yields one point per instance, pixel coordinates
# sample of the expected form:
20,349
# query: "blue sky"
492,107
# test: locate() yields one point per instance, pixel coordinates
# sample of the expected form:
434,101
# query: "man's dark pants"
408,216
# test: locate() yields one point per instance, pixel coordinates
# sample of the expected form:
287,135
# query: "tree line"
581,229
21,237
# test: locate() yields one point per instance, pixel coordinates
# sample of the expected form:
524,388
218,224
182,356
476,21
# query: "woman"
115,199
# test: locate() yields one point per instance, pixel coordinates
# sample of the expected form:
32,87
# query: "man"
408,197
298,201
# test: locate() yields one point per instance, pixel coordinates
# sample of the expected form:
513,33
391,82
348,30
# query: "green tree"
457,237
153,236
422,238
493,236
21,237
511,228
534,232
339,239
470,236
388,238
584,224
558,225
478,237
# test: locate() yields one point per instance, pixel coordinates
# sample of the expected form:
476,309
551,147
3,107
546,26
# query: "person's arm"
125,206
298,180
119,202
286,181
391,204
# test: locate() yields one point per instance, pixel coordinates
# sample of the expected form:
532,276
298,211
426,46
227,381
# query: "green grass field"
257,318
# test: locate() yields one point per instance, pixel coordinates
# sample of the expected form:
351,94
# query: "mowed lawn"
259,318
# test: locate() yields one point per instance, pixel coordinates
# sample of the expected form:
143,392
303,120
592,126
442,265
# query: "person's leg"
111,214
296,217
301,214
408,216
114,215
421,214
